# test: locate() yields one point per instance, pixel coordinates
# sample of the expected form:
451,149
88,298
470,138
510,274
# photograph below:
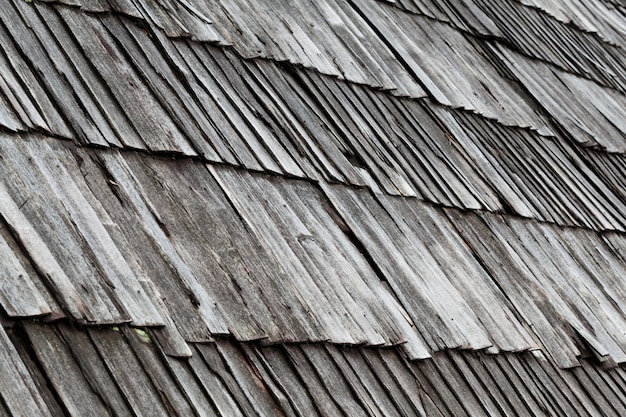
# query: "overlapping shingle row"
312,208
121,371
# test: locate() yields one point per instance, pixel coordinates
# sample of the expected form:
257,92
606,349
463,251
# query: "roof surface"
335,207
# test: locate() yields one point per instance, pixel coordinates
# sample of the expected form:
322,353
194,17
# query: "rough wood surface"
364,207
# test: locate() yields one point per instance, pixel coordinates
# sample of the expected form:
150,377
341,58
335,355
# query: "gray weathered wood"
19,393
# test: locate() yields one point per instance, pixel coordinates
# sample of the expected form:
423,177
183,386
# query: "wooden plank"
272,382
46,264
467,376
141,250
179,19
139,391
367,389
239,192
460,325
230,380
377,53
211,256
152,362
3,410
58,233
182,372
268,90
273,111
251,270
483,296
350,268
401,387
592,210
224,402
91,365
515,391
601,392
62,85
110,262
232,119
491,244
98,99
459,381
435,390
150,119
549,395
335,115
276,362
12,17
324,401
490,168
64,373
18,391
134,192
504,397
169,337
347,399
344,311
237,74
378,139
19,296
242,113
153,71
352,28
591,302
427,154
96,5
8,120
458,315
18,111
198,104
294,220
126,7
360,138
247,377
553,396
575,401
610,199
381,246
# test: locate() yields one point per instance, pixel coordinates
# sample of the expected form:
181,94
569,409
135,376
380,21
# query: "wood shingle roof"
335,207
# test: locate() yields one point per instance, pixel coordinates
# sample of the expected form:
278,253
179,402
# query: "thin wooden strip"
29,45
313,389
192,382
133,190
64,87
247,377
19,296
19,393
128,373
156,128
64,373
366,390
93,93
276,363
92,367
153,363
44,261
111,262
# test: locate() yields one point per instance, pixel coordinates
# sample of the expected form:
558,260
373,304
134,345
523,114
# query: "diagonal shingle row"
466,74
122,371
531,31
141,90
249,208
598,16
108,237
